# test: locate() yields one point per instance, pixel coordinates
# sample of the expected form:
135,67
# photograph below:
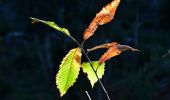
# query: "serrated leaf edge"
69,70
96,76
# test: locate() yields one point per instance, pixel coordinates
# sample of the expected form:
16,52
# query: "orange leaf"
111,52
107,13
114,51
103,17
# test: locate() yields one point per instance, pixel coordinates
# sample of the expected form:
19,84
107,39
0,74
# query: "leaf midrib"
69,70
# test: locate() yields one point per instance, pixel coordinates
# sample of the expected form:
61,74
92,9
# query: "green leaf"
69,70
90,73
51,24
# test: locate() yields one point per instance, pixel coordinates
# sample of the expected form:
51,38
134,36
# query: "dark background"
30,54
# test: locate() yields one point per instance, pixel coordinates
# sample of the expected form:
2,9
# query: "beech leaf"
107,45
111,52
90,73
51,24
114,51
69,70
103,17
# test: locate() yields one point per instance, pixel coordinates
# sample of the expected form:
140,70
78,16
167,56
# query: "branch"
88,95
101,84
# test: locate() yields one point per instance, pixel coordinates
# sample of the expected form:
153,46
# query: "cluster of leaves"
71,64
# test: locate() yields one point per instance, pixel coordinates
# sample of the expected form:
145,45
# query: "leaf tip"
33,20
135,50
62,94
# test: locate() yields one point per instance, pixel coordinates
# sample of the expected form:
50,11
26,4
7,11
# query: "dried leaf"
107,13
125,47
103,17
90,30
111,52
114,51
107,45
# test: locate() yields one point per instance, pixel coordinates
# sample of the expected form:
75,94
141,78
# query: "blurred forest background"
30,54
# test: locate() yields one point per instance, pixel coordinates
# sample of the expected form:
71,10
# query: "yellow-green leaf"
51,24
90,73
69,70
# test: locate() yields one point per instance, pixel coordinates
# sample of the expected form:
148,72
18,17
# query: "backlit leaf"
111,52
103,17
51,24
90,73
69,70
114,51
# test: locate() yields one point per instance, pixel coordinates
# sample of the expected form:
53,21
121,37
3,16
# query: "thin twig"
88,95
95,73
101,84
98,67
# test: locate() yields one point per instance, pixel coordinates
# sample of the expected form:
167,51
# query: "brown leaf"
90,30
111,52
103,17
107,45
125,47
114,51
107,13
